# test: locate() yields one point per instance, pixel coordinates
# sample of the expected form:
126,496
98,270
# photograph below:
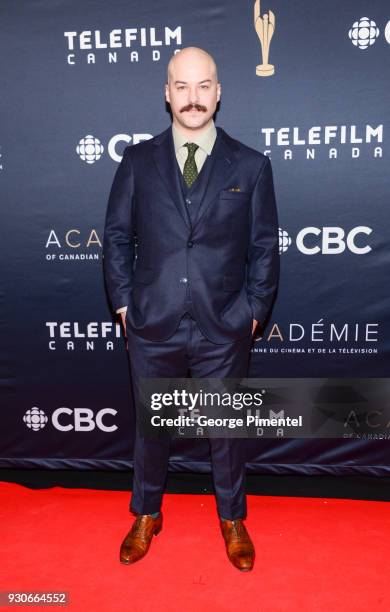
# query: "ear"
167,92
219,89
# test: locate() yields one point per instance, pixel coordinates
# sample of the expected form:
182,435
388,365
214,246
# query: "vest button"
190,244
184,279
188,201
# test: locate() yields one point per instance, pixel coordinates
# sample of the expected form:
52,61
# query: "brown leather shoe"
239,546
136,543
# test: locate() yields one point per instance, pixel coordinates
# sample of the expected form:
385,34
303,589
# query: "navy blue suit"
229,254
194,267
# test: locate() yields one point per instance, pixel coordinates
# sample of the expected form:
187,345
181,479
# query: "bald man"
201,208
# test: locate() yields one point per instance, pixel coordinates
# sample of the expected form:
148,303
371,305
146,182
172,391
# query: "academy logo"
73,244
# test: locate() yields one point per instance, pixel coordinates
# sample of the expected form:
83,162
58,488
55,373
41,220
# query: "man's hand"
123,317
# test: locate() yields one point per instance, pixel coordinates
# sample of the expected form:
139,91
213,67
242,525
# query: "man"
200,207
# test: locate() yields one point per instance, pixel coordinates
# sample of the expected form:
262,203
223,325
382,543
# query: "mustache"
189,107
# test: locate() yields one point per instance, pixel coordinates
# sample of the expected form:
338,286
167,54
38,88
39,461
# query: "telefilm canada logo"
133,44
66,419
323,142
84,336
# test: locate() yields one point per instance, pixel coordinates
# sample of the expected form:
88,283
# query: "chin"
197,123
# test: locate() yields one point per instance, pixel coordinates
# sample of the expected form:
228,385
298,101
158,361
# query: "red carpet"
312,554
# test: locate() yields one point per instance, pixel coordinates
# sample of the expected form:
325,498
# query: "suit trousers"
188,352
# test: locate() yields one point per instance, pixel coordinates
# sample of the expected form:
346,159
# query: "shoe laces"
139,527
237,526
239,530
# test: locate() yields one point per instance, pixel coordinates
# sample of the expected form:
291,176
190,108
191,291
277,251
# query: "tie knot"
192,147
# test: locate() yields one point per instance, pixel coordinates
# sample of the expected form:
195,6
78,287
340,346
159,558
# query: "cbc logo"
328,240
90,149
35,419
77,419
284,240
363,33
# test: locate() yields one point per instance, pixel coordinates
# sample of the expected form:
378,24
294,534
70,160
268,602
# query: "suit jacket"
228,254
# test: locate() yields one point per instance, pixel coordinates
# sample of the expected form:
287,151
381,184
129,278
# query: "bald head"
192,90
191,57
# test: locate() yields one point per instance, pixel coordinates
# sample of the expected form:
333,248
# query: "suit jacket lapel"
223,164
165,159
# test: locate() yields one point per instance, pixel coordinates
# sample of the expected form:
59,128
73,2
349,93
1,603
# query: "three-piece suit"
194,266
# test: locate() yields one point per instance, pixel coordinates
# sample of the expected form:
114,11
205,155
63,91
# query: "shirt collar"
205,140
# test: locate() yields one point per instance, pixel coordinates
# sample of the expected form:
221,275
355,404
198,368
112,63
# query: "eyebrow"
200,82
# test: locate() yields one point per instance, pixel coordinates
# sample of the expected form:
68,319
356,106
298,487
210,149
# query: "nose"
193,95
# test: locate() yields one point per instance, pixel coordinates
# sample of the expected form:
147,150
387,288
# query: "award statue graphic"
265,27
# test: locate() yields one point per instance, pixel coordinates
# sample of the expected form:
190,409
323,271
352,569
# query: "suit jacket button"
190,244
184,279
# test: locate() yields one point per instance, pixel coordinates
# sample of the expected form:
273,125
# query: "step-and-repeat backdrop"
307,83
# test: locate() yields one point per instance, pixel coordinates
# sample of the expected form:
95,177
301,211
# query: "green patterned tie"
190,171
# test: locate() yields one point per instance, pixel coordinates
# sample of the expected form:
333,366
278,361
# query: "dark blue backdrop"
80,81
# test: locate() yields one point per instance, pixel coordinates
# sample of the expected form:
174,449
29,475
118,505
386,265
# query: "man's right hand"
123,317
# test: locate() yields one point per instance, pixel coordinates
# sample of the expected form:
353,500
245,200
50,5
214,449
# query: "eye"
204,86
